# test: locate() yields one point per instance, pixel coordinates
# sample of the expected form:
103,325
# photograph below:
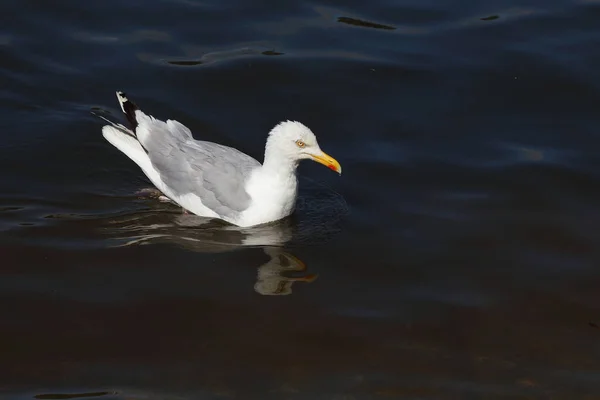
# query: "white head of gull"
216,181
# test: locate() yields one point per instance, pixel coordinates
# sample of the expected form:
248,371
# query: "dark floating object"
593,325
58,396
490,18
185,63
191,63
365,24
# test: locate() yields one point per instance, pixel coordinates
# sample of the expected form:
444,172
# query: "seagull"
213,180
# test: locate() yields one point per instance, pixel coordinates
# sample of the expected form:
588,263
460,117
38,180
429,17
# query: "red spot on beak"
332,167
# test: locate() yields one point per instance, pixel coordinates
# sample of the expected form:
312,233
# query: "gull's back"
214,173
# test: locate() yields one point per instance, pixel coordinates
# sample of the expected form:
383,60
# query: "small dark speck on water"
593,325
490,18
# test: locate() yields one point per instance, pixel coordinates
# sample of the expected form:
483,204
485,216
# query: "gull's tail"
129,108
123,138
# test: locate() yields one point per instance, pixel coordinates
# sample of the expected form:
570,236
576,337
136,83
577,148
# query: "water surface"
456,257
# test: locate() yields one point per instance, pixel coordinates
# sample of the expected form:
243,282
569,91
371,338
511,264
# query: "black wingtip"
128,108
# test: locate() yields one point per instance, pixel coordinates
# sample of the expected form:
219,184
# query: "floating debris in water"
185,63
365,24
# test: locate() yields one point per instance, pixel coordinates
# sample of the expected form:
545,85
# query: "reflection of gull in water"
316,220
271,280
208,236
196,233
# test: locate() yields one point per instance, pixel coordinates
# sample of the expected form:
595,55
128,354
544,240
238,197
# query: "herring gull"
216,181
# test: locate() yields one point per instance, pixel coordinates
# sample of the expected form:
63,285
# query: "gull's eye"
300,143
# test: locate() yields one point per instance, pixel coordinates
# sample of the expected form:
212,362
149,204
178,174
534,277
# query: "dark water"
456,257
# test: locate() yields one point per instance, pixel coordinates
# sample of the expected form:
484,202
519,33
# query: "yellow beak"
328,161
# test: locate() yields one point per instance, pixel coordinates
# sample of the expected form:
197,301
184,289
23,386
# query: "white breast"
273,197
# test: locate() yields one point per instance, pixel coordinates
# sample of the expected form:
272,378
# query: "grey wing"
222,175
216,174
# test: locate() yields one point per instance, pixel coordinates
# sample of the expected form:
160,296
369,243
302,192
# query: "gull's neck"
278,164
273,187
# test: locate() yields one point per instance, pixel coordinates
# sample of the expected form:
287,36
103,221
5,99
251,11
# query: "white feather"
132,149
